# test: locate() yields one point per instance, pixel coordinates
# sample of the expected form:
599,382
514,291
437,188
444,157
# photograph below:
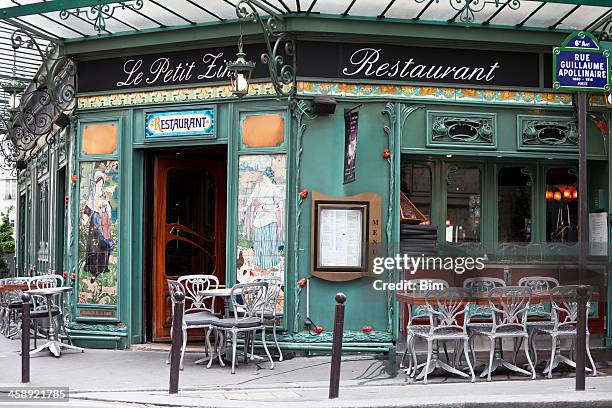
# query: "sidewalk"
140,378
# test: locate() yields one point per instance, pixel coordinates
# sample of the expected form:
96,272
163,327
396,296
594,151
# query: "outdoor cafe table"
480,298
53,344
11,287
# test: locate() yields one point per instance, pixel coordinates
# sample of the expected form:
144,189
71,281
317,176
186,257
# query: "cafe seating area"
487,310
249,309
47,311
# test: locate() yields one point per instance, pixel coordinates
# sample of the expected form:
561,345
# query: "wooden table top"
479,298
13,287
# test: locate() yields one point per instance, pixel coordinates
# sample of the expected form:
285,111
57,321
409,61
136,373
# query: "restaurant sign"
182,123
409,63
581,65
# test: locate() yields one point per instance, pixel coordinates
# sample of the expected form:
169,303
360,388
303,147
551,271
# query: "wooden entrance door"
189,229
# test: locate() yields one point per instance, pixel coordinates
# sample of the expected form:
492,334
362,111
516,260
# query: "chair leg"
247,338
183,348
553,348
531,365
280,353
467,358
234,344
35,333
263,340
405,354
429,353
491,354
588,351
415,361
516,347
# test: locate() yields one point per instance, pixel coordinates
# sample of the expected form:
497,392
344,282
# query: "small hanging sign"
182,123
351,128
580,64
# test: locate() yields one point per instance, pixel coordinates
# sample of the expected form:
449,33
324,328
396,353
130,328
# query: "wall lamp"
279,46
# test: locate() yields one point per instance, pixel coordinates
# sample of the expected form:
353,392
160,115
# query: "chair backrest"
564,301
445,307
45,281
482,284
418,311
539,284
249,299
275,286
193,284
510,304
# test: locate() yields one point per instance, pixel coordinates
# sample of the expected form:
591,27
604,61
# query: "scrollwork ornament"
468,8
99,13
282,73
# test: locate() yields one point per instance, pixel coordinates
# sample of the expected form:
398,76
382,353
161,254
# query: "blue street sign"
580,65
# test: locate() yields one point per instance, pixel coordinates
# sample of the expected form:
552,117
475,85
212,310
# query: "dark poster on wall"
351,129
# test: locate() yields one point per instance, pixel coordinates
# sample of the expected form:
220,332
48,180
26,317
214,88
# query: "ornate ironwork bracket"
468,8
99,13
282,73
51,94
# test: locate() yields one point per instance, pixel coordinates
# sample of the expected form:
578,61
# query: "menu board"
346,235
598,234
341,237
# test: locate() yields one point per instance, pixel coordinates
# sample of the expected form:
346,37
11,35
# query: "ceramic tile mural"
98,232
401,92
261,217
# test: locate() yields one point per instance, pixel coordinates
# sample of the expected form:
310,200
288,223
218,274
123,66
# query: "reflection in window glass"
416,184
514,205
561,205
463,205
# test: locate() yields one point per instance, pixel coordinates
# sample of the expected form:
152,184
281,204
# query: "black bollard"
177,340
25,338
581,321
336,355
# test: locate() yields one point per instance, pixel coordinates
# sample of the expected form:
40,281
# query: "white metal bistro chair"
39,311
509,306
564,301
193,318
444,309
418,313
539,315
275,287
248,309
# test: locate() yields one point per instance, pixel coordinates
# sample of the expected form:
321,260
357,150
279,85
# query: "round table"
54,345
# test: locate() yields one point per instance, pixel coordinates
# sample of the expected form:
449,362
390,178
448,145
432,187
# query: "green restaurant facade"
486,151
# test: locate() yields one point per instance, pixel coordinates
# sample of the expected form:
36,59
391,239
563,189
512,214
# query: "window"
10,190
463,204
416,184
561,205
514,205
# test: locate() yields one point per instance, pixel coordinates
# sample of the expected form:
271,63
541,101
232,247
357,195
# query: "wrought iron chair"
39,311
12,308
564,301
539,313
193,318
418,313
248,307
275,287
444,309
509,306
479,315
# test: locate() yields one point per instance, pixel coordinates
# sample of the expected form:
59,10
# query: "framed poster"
345,232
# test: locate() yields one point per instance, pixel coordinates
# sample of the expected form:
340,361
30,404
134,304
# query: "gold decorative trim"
305,88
